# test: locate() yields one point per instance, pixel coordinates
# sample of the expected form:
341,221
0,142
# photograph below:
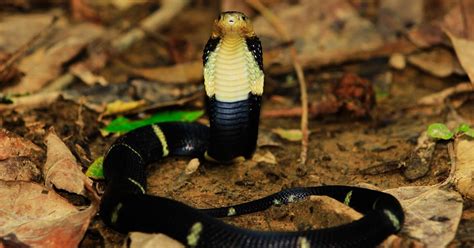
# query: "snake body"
233,79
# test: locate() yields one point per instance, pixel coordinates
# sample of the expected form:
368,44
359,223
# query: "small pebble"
192,166
398,61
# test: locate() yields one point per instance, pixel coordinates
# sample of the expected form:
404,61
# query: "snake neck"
231,72
234,85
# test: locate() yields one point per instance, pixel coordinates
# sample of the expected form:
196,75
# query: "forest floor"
367,116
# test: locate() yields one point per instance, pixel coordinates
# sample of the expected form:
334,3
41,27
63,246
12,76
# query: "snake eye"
244,18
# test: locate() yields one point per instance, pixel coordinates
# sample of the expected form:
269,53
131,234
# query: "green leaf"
440,131
347,199
123,124
95,170
462,128
288,134
470,133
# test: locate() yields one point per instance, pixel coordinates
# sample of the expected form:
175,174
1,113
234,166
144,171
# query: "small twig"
452,159
92,193
31,101
20,52
304,106
438,98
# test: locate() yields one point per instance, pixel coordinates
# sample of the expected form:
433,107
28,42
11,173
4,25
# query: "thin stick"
304,105
438,98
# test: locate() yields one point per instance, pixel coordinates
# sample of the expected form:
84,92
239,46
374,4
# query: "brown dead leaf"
266,138
181,73
83,12
266,157
426,35
324,32
192,166
12,146
46,62
464,173
39,217
341,212
465,52
438,61
148,240
61,168
457,20
432,214
16,30
19,168
394,16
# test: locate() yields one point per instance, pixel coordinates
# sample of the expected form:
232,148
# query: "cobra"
233,80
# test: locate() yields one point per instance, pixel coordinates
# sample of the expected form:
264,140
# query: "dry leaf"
61,168
324,32
148,240
465,52
438,61
46,63
266,138
454,21
432,215
394,17
192,166
267,157
12,146
39,217
119,106
464,173
19,168
81,71
181,73
16,30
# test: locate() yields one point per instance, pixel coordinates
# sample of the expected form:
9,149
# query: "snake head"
232,23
